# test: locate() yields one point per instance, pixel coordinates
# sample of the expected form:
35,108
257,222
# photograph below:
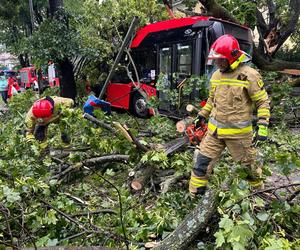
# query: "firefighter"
13,87
43,112
235,88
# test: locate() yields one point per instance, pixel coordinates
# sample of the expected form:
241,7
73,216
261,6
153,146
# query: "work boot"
197,185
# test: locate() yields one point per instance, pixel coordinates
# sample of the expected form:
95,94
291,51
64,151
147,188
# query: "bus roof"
142,33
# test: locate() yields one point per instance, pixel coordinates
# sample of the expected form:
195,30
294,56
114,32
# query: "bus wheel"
139,106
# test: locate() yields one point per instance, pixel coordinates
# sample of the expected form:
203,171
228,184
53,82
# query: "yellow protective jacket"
31,120
233,96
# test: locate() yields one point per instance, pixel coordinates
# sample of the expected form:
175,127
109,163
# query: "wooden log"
191,108
182,124
99,123
143,173
106,158
142,178
130,136
192,225
91,162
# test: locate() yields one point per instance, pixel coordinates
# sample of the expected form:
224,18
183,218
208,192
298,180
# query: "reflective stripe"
229,131
235,64
229,125
263,113
234,84
207,107
261,95
198,182
230,82
234,80
212,90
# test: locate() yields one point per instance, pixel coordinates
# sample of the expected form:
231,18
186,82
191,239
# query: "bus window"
165,61
184,61
145,62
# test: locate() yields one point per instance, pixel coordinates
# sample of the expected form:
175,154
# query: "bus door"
165,70
183,71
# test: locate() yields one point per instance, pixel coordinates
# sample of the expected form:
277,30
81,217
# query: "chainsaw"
188,127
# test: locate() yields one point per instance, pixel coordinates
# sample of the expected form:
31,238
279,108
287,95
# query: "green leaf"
262,216
238,246
226,223
219,238
259,202
240,233
42,241
10,195
51,217
155,158
143,142
52,242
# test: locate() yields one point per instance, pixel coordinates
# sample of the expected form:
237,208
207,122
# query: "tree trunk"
272,65
54,5
192,225
67,84
23,59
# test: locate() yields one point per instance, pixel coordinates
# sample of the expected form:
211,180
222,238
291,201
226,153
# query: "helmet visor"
214,55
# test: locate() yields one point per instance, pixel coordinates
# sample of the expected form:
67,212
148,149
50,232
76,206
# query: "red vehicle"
28,78
176,46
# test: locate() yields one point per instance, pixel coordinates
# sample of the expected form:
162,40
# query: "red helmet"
228,47
42,108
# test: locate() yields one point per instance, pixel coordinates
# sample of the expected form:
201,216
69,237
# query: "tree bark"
99,123
91,162
142,177
144,171
67,85
192,225
262,62
54,6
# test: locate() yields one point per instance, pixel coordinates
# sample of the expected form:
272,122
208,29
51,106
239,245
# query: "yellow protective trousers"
210,151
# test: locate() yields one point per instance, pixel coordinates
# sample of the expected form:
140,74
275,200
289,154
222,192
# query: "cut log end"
189,108
181,126
136,185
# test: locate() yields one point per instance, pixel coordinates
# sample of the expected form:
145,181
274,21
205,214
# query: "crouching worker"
93,102
235,89
43,112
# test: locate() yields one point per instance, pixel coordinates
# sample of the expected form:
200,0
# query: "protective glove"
199,119
29,137
262,133
43,145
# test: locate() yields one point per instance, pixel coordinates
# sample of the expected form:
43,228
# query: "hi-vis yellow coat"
31,121
232,98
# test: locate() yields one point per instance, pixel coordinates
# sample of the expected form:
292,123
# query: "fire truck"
173,46
29,77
